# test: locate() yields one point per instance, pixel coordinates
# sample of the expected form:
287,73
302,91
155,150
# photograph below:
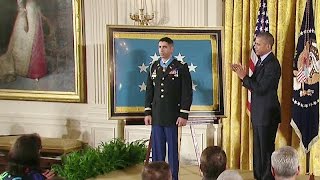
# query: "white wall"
89,121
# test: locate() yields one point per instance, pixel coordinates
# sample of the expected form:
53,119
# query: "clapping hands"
239,69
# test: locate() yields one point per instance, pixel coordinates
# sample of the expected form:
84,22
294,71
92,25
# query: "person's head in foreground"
285,163
213,162
230,175
24,156
157,170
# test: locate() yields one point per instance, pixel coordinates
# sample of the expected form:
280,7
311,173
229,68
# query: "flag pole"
308,163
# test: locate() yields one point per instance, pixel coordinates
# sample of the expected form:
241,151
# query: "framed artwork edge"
137,112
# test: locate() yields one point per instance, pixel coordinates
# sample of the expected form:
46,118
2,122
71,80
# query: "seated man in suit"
285,163
156,170
212,162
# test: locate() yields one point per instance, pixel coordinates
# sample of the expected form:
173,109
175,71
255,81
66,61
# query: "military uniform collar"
166,63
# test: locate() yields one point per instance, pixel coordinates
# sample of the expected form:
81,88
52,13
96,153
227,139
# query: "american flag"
301,76
262,25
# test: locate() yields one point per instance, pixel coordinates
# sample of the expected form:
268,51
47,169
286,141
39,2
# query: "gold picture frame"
131,49
42,51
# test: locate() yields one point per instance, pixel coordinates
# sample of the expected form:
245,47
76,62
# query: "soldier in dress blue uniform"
167,103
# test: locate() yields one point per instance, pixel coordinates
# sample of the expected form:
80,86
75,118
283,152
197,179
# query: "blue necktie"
259,62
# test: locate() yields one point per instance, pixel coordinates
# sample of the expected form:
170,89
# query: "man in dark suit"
265,106
167,103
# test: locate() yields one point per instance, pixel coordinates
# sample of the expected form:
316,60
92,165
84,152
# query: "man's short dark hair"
213,162
157,170
166,39
267,37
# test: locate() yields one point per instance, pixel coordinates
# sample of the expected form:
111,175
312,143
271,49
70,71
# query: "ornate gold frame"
79,92
137,32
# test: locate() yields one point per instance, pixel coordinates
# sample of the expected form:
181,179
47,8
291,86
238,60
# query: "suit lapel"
268,58
264,62
258,69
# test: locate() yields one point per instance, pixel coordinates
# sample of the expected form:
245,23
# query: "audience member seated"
24,160
213,162
230,175
157,170
285,163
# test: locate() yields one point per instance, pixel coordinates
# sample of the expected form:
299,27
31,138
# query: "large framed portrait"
42,54
130,51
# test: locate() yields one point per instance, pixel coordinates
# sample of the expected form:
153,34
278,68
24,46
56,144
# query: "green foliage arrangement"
91,162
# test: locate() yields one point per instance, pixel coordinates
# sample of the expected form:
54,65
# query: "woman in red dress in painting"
25,55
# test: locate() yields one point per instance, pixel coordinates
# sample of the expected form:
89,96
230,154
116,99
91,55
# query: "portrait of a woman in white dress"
25,54
37,45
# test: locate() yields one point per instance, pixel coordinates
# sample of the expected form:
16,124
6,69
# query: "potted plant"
91,162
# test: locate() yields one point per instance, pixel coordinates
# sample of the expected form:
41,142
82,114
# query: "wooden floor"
186,173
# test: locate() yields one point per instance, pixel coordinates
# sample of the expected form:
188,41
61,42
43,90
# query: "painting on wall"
132,49
42,54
